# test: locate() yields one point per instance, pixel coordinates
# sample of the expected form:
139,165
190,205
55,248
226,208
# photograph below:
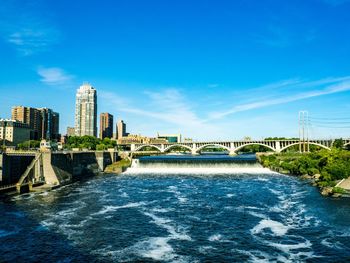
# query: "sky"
210,70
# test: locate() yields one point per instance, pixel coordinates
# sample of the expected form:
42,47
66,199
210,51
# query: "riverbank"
328,170
118,167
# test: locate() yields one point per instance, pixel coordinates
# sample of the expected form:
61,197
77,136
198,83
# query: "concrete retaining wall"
14,166
58,168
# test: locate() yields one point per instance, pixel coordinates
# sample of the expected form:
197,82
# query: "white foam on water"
259,215
202,171
125,195
112,208
230,195
288,247
161,210
182,199
215,237
47,223
178,195
205,249
175,233
328,243
156,248
255,255
277,228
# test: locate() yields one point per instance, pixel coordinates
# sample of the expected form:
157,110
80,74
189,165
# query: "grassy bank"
118,166
324,167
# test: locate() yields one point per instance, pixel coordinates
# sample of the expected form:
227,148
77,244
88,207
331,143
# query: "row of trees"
84,142
89,142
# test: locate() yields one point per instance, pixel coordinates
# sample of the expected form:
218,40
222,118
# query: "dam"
198,164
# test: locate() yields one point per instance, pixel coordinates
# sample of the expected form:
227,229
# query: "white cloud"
54,76
339,85
22,26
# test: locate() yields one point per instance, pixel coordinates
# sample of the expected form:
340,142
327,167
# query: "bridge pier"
278,147
232,152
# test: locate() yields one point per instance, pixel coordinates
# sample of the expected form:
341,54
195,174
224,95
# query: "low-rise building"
14,132
172,138
70,131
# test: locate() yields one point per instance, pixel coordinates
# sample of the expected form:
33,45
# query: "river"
227,216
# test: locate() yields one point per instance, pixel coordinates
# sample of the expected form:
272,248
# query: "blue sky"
207,69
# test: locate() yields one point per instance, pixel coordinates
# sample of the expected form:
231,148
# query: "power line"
316,118
335,127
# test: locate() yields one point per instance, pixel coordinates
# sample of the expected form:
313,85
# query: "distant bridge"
235,146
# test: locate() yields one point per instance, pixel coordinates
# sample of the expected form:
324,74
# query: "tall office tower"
106,125
30,116
56,125
86,111
121,129
49,124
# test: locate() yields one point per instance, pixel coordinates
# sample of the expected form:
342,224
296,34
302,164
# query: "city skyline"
246,71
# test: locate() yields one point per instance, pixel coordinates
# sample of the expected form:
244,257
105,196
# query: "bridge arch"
177,145
254,143
311,143
212,144
138,148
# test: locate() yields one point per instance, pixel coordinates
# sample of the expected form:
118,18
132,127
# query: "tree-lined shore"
325,167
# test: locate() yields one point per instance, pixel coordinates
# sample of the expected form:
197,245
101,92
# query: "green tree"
338,143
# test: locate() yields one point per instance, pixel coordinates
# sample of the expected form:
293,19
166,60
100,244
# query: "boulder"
326,191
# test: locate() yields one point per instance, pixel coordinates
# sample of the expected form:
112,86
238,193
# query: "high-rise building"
70,131
49,124
121,129
86,111
43,122
106,125
30,116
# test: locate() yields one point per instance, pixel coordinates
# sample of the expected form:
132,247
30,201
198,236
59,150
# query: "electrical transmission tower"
304,145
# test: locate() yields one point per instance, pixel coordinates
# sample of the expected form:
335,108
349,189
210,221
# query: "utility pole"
304,136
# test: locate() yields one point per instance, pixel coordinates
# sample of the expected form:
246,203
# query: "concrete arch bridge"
234,146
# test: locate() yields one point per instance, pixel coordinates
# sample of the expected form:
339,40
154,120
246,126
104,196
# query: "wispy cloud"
333,85
213,85
168,106
54,76
22,27
276,36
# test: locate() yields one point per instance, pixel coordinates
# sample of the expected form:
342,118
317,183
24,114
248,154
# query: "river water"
177,217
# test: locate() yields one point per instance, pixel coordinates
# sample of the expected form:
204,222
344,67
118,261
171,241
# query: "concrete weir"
27,171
